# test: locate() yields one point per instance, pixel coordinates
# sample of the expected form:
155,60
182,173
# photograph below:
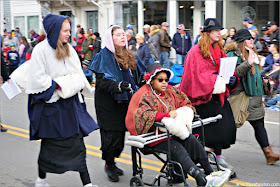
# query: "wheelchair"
139,144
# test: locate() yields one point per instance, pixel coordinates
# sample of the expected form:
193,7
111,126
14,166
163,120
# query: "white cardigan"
36,75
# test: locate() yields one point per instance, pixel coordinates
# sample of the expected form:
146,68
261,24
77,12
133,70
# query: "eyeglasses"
161,79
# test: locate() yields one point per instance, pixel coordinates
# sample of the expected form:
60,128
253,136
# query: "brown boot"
271,158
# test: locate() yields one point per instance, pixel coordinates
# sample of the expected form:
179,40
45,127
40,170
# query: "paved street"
18,158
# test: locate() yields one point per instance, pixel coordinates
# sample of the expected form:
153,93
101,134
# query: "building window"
130,16
19,21
92,20
155,12
32,23
186,14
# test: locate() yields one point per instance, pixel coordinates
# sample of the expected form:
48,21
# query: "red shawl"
199,75
144,106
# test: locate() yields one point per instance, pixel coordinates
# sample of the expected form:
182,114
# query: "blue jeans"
180,59
272,101
164,59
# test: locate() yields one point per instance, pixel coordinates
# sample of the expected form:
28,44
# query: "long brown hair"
24,41
205,42
245,55
62,50
124,57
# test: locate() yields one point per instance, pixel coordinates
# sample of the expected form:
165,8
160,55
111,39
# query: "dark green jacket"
86,50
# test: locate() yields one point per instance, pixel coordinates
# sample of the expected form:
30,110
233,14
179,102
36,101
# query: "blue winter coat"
181,44
269,61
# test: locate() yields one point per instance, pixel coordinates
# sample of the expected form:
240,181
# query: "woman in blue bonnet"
56,107
118,75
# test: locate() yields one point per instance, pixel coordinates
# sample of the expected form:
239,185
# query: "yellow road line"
15,128
242,183
18,134
124,161
87,146
128,156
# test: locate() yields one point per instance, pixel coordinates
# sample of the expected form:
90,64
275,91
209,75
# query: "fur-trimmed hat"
155,68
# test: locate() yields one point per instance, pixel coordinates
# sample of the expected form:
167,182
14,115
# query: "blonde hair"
62,50
255,31
205,42
41,32
139,36
154,27
245,55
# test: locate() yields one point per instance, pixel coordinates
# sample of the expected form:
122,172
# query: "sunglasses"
161,79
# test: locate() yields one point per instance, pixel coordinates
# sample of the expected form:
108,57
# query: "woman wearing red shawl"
207,91
158,102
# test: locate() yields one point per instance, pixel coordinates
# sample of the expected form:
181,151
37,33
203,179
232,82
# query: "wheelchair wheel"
136,181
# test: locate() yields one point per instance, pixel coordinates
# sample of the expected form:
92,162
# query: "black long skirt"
58,155
220,134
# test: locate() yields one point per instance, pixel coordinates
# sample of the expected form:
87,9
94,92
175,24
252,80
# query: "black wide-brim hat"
242,34
211,24
155,68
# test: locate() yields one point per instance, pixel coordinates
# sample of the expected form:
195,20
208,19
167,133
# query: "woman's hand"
173,113
251,57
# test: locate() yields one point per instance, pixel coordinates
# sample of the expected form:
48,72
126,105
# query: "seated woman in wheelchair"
158,102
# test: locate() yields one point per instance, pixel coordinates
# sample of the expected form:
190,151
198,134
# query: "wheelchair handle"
158,124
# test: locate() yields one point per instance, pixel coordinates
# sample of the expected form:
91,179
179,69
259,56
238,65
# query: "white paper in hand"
11,89
227,67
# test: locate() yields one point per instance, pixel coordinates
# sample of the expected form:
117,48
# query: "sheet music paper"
227,67
11,89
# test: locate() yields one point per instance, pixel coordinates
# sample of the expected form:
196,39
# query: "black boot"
199,176
111,173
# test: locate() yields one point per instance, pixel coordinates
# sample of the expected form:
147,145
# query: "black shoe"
111,173
118,170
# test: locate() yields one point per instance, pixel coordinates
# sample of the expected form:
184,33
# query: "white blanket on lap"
181,125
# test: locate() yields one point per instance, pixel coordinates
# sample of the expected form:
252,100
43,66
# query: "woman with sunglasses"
158,102
207,90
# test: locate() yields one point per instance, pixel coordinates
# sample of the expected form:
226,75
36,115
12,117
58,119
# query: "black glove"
124,86
232,80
